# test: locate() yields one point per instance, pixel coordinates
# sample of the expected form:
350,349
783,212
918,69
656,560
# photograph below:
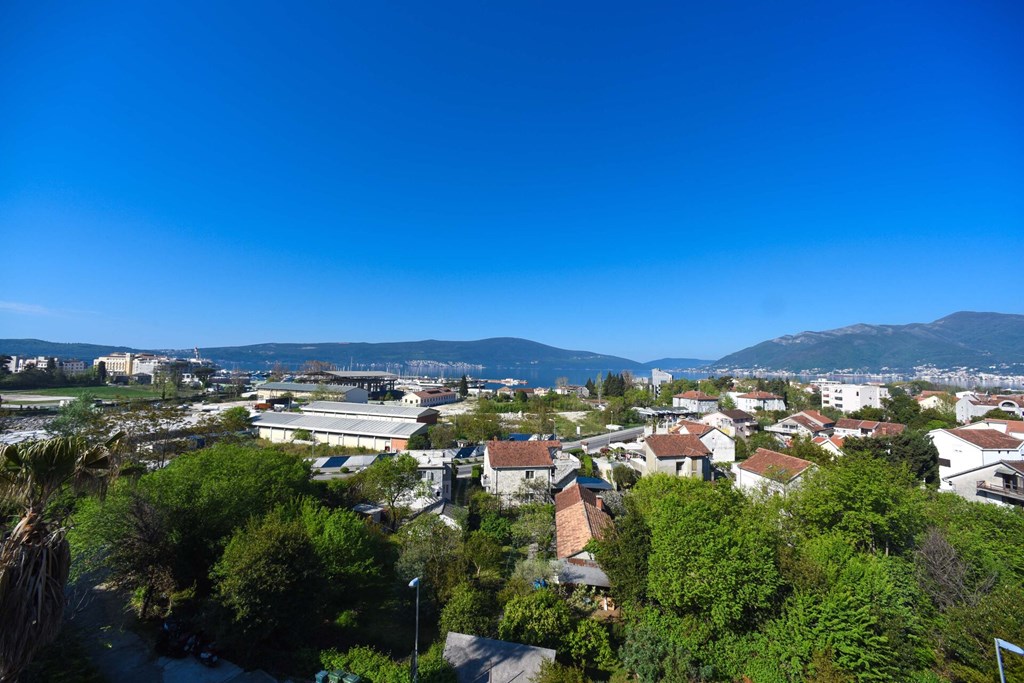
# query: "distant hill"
501,352
676,363
965,339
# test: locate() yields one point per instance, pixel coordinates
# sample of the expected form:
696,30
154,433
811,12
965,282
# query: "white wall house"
681,455
966,449
429,397
754,401
695,402
721,445
732,422
999,483
851,397
805,423
971,405
847,427
771,471
509,465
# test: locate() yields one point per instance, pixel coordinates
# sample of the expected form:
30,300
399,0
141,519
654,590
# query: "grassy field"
105,393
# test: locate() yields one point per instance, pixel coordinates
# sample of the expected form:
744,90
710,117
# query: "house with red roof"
721,445
732,422
513,469
681,455
695,402
771,471
972,405
964,449
849,427
808,423
759,400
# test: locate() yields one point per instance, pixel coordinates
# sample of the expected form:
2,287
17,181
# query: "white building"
695,402
681,455
971,405
732,422
509,466
70,366
371,411
847,427
342,392
851,397
771,471
805,423
430,397
966,449
436,470
375,435
721,445
1000,483
659,377
758,400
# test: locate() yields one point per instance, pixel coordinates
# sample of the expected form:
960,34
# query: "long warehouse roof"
299,386
346,408
340,425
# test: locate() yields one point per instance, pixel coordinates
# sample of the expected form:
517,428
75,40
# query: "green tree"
624,553
432,550
711,532
388,479
80,417
872,503
624,476
464,387
469,611
484,553
267,578
441,435
590,646
237,419
910,448
538,618
901,408
101,372
35,556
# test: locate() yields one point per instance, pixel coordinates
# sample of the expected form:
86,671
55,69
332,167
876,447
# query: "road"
595,443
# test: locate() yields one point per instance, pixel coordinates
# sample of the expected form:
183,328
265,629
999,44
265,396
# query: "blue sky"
646,180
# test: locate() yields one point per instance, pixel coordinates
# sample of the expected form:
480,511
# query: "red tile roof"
691,427
759,394
676,446
987,438
774,465
881,428
698,395
837,441
578,520
521,453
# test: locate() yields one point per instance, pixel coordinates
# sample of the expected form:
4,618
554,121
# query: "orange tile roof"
578,520
521,453
759,394
774,465
883,428
677,446
696,395
986,438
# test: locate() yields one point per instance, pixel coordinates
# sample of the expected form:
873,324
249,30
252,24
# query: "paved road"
601,440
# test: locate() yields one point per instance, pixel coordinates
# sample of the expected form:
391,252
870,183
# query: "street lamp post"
1000,644
415,583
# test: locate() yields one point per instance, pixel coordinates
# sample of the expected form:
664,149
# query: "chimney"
600,503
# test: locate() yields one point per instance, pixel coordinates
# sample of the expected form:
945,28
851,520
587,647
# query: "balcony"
1004,491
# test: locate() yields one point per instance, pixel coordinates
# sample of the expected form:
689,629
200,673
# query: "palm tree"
34,555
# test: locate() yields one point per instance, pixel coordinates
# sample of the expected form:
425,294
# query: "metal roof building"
350,393
378,435
370,410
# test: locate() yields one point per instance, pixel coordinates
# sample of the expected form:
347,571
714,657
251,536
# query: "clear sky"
646,180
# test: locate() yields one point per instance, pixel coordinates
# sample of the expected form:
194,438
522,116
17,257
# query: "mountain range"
976,341
970,340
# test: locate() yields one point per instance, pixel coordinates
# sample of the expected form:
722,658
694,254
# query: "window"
944,462
529,474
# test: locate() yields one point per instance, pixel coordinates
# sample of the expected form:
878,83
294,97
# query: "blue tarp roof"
594,483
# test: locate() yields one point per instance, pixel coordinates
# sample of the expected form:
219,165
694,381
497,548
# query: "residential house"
831,444
695,402
683,455
435,467
971,405
721,445
936,400
808,423
437,396
966,449
1001,483
579,519
851,397
1014,428
770,470
511,465
659,377
484,660
847,427
759,400
733,422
